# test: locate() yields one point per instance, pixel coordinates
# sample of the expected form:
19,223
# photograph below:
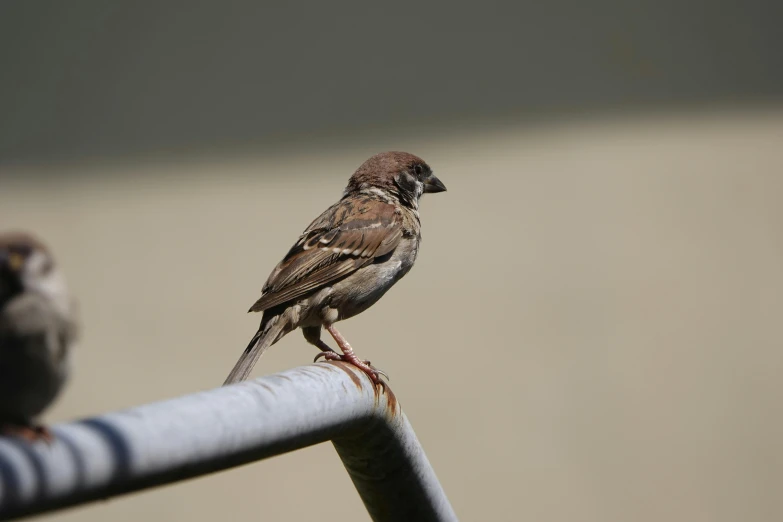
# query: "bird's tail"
267,335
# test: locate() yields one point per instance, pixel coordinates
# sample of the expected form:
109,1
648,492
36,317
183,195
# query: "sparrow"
346,260
37,329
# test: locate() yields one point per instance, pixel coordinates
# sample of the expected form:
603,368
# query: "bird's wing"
348,236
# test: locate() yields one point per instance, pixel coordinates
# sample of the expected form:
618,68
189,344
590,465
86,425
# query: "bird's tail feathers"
265,337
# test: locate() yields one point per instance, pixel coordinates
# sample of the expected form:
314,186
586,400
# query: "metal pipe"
173,440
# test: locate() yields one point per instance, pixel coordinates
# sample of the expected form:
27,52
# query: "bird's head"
26,265
398,175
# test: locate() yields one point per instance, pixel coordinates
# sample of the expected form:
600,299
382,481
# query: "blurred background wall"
95,78
592,330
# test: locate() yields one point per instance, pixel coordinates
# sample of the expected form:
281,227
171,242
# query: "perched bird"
345,260
37,328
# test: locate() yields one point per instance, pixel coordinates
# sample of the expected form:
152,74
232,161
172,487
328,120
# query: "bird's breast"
363,288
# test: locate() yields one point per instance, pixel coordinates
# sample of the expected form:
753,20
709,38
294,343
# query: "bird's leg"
326,352
312,335
29,432
350,357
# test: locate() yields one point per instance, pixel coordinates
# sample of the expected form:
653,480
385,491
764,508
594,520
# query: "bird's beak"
433,185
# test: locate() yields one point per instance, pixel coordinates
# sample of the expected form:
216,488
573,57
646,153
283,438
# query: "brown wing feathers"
336,244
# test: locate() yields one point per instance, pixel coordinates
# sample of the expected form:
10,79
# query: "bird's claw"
329,356
366,366
378,371
372,372
30,433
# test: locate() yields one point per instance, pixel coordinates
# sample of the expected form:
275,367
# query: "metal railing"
172,440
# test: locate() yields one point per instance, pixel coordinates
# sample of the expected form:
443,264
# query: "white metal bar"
196,434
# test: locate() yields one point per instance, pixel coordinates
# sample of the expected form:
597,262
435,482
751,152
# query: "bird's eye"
417,169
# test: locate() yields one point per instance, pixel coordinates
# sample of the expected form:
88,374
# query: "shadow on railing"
173,440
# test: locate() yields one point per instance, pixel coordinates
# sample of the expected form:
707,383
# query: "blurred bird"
345,260
37,328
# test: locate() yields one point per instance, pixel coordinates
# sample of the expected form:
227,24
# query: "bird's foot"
28,432
350,357
365,366
328,354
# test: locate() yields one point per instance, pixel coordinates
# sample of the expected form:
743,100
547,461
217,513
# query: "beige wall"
592,331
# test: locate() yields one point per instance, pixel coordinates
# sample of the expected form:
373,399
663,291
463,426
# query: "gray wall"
97,78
